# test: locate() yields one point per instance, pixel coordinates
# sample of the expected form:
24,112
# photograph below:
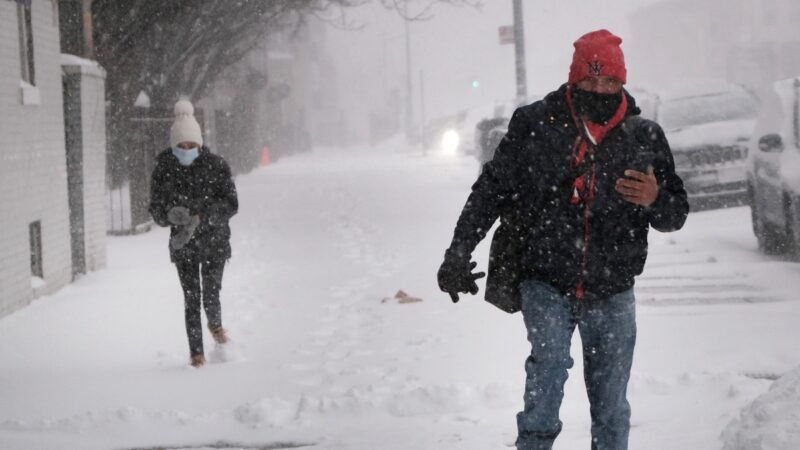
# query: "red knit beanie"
597,54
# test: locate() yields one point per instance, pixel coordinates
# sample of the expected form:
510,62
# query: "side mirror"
771,143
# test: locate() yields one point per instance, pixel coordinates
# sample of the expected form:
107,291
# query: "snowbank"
771,421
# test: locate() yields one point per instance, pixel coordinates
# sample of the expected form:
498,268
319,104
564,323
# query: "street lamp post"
519,47
423,135
409,112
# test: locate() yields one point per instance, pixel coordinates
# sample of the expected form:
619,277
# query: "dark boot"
198,361
220,335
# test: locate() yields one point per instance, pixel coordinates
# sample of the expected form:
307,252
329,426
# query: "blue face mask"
186,157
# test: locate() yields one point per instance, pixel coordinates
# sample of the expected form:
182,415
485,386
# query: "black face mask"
598,108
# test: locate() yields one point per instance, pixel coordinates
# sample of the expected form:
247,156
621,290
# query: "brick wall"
33,179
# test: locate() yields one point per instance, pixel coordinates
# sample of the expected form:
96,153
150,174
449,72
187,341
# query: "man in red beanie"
577,182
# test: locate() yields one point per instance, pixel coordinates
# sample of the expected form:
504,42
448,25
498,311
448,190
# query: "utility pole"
409,93
519,47
423,135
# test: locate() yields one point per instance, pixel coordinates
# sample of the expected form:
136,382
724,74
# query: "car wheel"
770,240
793,224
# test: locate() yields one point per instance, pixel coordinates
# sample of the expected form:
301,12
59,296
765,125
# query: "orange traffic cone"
265,156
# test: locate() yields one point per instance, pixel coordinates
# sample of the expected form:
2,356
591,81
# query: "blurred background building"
752,42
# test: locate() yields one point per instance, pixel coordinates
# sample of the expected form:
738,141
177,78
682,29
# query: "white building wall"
33,179
94,169
93,138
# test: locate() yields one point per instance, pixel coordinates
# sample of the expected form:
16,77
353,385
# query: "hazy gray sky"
460,45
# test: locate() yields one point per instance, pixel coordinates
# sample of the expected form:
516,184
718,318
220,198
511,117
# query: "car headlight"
450,142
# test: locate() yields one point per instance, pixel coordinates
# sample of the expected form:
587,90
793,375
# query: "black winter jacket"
528,185
205,187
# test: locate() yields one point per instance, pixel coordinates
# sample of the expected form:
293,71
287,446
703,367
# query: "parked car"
709,127
488,134
440,134
455,134
490,131
646,100
773,170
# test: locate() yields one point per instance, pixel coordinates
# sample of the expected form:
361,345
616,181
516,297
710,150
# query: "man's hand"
639,188
455,276
179,215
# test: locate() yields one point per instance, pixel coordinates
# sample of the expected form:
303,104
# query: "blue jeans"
608,333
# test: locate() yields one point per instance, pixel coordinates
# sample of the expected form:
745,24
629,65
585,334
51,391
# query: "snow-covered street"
319,359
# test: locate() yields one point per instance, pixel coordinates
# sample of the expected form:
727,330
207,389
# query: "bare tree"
181,46
167,49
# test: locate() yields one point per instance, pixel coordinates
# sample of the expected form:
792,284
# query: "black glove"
455,276
184,234
179,215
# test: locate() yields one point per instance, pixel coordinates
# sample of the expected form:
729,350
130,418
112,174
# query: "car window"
683,112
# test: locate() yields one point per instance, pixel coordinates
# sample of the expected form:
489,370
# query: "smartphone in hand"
642,161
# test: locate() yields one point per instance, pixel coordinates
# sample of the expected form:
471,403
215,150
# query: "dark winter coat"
206,188
528,185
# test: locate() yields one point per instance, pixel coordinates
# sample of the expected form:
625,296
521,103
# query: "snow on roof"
142,100
72,60
87,66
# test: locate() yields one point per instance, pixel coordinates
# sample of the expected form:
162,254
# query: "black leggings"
189,273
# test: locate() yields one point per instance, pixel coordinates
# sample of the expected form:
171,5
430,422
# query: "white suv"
773,170
708,126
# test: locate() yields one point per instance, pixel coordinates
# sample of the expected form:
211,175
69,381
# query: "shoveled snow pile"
771,421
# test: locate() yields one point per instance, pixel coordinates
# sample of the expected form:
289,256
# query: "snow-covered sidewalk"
317,358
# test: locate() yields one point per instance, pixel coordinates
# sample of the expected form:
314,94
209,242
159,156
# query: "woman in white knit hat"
192,192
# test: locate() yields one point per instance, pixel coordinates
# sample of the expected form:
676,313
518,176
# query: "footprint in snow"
230,352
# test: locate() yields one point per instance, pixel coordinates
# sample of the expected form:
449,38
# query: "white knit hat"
185,128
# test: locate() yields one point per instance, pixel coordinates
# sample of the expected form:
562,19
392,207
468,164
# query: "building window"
26,43
35,230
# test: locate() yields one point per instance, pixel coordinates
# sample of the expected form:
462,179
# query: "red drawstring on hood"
590,135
